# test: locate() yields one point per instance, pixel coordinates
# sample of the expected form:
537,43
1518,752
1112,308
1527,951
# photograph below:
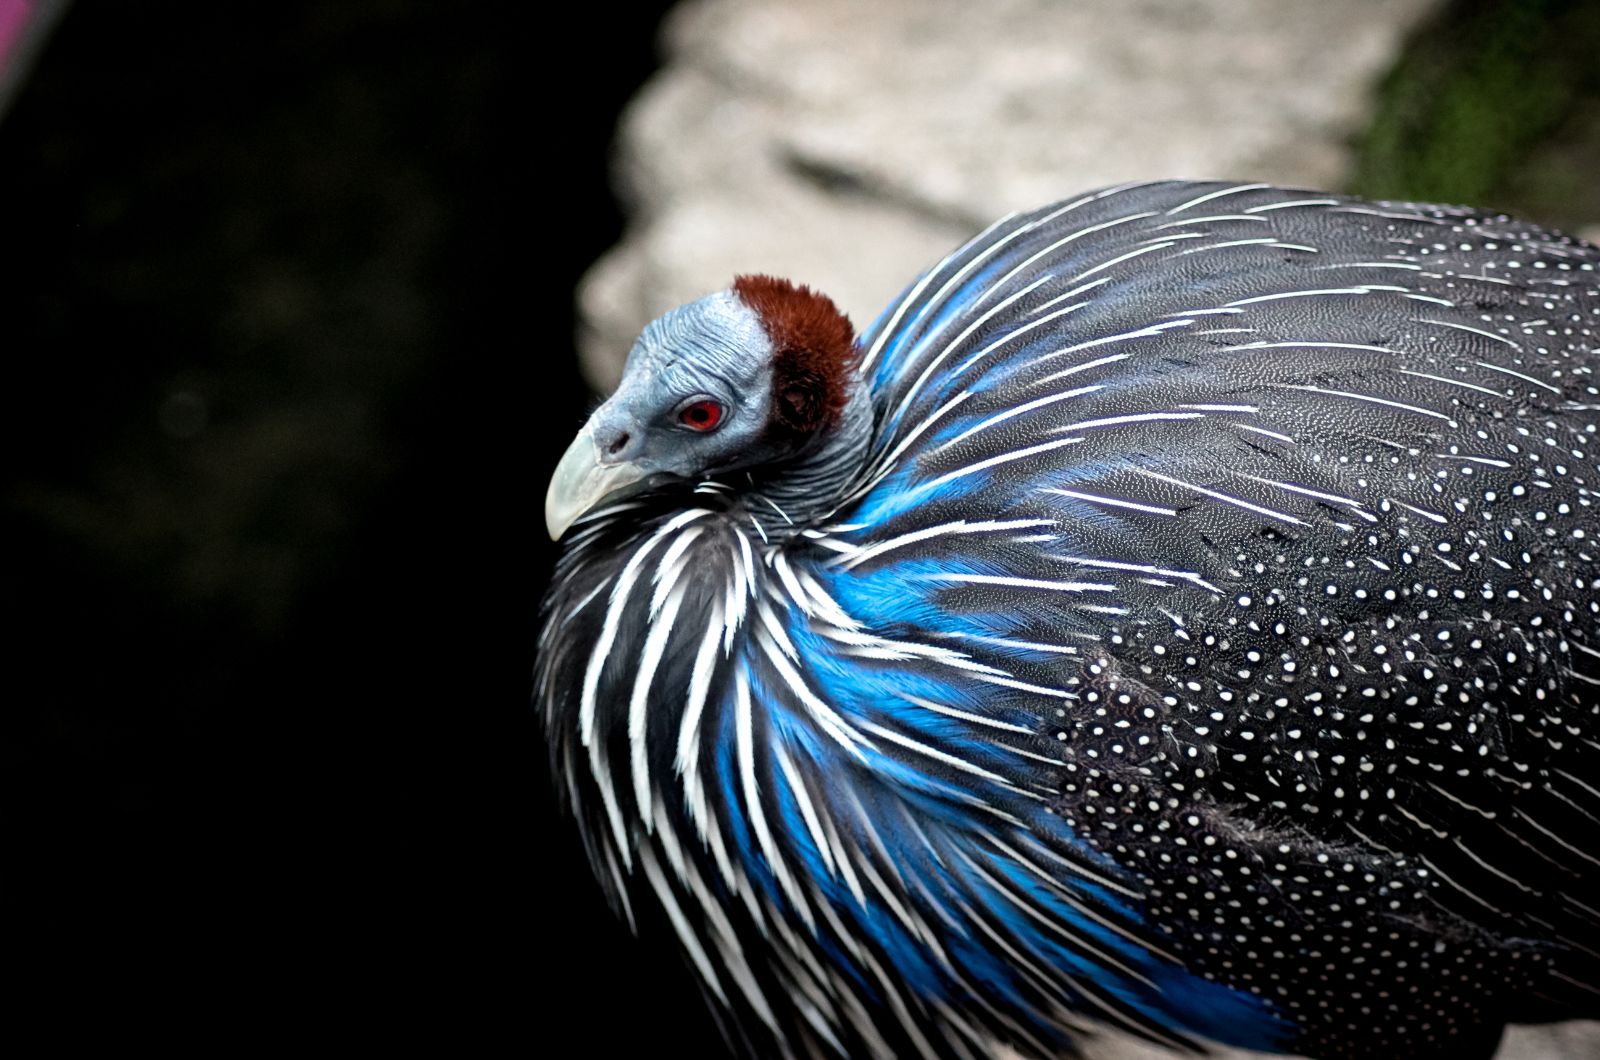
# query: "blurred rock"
1562,1041
1568,1041
848,146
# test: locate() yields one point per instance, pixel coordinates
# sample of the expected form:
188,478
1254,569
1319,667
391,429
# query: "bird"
1178,614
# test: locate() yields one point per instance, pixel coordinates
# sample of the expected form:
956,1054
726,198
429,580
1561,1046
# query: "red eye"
703,415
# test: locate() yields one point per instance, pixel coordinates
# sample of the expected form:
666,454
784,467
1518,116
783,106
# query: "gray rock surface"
849,145
1567,1041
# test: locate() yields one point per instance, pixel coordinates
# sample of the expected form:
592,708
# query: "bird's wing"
1292,495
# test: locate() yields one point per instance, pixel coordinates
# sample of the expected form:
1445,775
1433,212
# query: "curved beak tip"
580,482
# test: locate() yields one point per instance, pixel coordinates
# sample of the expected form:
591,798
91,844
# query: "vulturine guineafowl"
1179,612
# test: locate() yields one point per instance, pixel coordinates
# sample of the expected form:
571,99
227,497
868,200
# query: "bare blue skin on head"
713,348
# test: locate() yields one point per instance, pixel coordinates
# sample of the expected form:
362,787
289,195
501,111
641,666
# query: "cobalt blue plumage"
1184,619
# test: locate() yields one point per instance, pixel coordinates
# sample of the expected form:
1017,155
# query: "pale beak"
581,481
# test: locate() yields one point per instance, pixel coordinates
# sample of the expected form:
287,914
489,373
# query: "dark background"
288,359
286,332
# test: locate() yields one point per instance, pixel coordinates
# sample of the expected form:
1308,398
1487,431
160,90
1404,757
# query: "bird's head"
750,376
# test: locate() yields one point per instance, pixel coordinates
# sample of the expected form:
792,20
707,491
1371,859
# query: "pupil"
702,415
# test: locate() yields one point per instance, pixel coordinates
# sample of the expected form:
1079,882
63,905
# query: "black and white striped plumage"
1194,628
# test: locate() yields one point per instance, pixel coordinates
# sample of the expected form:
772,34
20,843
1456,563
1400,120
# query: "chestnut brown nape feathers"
814,351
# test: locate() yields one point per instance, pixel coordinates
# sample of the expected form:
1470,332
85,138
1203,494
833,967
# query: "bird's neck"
807,487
